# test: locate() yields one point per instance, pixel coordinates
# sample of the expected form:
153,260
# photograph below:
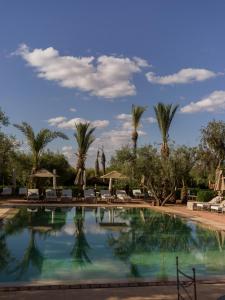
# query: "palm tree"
38,142
137,112
84,137
164,115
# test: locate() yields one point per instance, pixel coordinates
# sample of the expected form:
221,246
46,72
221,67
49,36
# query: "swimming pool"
81,243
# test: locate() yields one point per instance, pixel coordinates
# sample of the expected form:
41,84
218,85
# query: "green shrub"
205,195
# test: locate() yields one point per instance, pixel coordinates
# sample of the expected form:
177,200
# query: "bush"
205,195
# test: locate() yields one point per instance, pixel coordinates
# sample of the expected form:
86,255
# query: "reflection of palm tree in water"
32,257
125,245
5,256
81,246
151,232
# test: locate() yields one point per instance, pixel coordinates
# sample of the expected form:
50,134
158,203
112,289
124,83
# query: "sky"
65,62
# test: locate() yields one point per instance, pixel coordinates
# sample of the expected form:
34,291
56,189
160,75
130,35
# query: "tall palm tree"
84,137
137,112
164,115
38,142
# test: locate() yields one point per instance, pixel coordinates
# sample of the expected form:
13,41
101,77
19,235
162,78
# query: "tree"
137,112
4,120
213,140
84,138
164,115
38,142
103,161
97,171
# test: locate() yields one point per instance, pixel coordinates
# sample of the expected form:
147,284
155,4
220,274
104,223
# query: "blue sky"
65,61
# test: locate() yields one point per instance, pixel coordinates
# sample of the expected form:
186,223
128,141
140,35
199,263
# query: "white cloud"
55,121
72,109
212,103
68,151
183,76
103,76
124,117
64,123
150,120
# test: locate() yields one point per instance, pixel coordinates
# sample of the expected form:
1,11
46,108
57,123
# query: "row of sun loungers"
216,204
66,194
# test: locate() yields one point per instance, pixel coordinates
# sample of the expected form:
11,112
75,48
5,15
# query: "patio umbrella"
43,173
113,175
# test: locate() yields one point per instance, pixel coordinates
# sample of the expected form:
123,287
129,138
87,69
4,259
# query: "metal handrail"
185,284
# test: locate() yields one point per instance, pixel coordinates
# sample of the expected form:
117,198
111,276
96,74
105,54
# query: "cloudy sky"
64,62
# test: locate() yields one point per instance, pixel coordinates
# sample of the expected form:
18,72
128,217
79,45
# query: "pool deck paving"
204,292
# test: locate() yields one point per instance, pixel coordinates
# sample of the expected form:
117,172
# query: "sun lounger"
207,205
122,196
32,194
6,192
218,207
138,194
22,192
89,195
67,194
106,195
50,195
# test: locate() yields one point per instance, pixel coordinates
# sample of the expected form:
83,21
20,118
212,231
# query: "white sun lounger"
106,195
122,195
138,194
67,194
32,194
89,195
218,207
50,195
6,192
206,205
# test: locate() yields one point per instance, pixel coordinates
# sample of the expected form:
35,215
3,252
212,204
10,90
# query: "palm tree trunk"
134,139
165,151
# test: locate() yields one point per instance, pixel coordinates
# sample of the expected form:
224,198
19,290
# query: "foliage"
4,120
212,139
162,177
205,195
136,114
164,115
84,138
97,169
38,142
7,147
103,161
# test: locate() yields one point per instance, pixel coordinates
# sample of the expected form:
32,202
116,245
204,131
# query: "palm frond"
137,112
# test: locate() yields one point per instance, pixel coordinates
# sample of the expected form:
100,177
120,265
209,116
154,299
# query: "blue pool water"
75,244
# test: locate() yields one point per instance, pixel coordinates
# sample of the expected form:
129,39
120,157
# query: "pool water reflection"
72,244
